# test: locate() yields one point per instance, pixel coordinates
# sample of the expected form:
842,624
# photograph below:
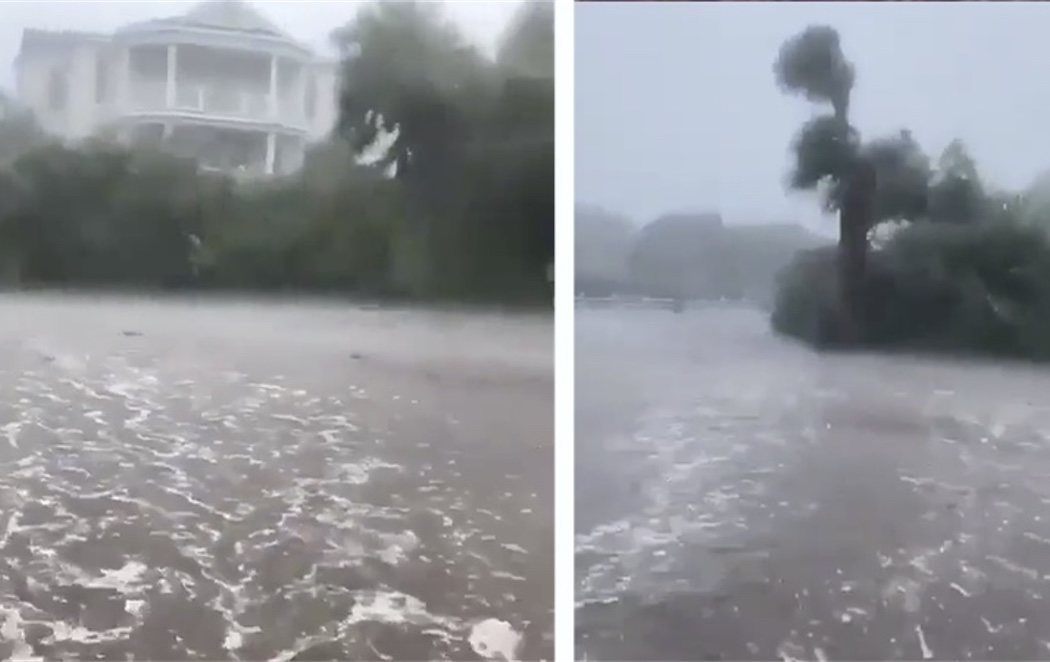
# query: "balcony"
221,102
210,83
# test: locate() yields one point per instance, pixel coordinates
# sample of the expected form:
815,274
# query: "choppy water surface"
740,497
257,481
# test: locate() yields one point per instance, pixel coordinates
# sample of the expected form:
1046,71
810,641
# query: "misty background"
677,108
683,135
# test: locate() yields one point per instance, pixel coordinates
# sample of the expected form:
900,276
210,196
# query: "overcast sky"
677,108
311,21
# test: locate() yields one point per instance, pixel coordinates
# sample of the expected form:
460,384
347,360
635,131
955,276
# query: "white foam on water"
61,631
1007,564
1037,538
927,654
134,607
494,639
396,608
11,630
398,545
123,580
960,590
233,640
388,607
10,528
10,431
358,473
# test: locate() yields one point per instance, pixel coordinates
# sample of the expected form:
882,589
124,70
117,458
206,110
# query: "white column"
273,86
271,152
300,94
172,70
124,78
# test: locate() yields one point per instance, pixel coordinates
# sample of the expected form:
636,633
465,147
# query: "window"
57,90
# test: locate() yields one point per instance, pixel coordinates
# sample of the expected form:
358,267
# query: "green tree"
902,178
956,192
471,140
528,46
102,216
19,131
812,63
409,73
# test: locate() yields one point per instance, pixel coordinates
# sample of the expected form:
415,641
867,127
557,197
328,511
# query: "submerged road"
248,480
740,497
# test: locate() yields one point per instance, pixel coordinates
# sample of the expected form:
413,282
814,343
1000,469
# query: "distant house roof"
236,16
689,221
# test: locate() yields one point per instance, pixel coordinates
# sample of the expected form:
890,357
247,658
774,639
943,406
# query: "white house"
220,83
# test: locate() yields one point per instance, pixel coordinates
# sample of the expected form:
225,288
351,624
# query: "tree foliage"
956,192
812,63
902,176
825,150
471,140
19,131
528,48
980,288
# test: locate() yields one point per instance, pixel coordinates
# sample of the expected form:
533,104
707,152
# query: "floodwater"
230,479
741,497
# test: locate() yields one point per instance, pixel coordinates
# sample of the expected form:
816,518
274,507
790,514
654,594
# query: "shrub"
961,288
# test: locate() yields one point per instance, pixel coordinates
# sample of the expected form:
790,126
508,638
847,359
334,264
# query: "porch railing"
213,99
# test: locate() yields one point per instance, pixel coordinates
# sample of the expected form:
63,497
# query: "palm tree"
828,154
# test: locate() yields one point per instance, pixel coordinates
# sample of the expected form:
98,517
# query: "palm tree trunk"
855,219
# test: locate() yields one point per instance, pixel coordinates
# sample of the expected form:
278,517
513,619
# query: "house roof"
236,16
233,16
34,38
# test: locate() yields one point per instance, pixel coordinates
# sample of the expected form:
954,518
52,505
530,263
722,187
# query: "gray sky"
677,108
311,21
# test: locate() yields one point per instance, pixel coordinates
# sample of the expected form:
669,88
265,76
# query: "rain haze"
265,392
677,108
312,21
774,457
